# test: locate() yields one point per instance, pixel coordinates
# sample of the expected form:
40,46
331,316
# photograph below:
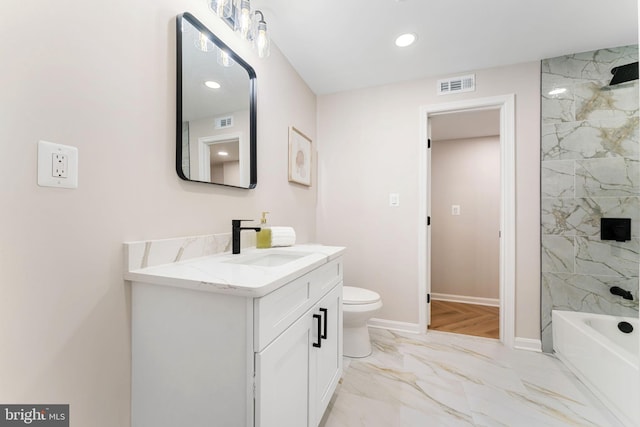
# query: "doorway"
221,159
465,222
503,108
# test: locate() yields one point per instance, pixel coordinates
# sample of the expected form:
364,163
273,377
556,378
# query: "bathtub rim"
633,360
622,407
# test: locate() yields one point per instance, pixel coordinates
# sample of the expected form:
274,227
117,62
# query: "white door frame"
204,152
506,105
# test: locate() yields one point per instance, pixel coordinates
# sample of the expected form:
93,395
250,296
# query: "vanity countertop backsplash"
204,263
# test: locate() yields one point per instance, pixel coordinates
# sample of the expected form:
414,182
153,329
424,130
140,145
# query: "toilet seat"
356,296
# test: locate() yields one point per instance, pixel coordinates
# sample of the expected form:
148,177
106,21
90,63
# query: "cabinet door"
282,378
326,361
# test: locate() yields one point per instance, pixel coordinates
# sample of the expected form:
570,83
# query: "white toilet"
358,306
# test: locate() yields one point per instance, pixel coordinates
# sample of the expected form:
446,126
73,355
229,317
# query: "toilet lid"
351,295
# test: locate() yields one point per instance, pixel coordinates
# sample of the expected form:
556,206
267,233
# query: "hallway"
466,319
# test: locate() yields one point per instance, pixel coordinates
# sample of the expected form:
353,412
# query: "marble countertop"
224,272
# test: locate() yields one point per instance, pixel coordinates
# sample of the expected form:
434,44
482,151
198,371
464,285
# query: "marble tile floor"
444,379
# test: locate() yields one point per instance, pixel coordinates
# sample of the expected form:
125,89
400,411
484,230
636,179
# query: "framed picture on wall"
299,157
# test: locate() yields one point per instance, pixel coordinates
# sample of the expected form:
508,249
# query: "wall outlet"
455,209
57,165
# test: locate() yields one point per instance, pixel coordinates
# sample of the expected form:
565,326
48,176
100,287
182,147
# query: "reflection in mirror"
216,110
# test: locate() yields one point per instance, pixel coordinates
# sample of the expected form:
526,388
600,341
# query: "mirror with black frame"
216,109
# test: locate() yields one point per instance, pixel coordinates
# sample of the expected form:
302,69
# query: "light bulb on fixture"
222,153
261,38
243,20
203,43
222,8
223,58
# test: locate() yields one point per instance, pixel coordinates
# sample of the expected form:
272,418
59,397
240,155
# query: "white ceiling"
338,45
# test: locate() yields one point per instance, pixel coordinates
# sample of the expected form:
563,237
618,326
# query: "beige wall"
465,248
101,76
369,147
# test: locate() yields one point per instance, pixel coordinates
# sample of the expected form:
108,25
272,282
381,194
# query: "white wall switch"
394,199
57,165
455,209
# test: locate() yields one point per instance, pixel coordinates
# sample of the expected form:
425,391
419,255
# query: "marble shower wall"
590,169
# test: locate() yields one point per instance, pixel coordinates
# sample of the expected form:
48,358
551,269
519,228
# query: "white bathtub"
603,358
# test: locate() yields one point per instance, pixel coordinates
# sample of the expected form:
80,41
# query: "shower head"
624,73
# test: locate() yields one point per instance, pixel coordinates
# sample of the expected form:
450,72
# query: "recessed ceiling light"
405,40
222,153
212,85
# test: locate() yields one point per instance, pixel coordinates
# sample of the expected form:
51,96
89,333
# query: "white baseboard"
528,344
493,302
393,325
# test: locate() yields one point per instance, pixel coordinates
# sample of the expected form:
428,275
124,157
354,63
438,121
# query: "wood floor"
467,319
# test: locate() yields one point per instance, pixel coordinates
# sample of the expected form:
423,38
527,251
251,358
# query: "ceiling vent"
457,84
224,122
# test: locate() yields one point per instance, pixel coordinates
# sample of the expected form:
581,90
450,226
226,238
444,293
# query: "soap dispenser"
263,238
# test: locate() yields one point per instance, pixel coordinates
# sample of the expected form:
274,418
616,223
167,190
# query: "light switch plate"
57,165
394,199
455,209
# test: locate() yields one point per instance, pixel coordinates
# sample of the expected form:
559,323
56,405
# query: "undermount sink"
272,259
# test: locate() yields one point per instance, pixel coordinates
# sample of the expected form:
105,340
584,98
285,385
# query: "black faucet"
621,292
235,233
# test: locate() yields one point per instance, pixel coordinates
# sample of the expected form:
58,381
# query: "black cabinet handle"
324,334
319,319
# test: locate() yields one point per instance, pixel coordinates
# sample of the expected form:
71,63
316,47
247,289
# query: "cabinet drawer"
324,278
276,311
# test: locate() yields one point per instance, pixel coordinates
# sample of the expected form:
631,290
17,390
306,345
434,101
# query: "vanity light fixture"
261,38
250,25
222,153
405,40
212,85
244,19
222,8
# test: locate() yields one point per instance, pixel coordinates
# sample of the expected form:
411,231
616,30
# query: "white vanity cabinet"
297,373
211,359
